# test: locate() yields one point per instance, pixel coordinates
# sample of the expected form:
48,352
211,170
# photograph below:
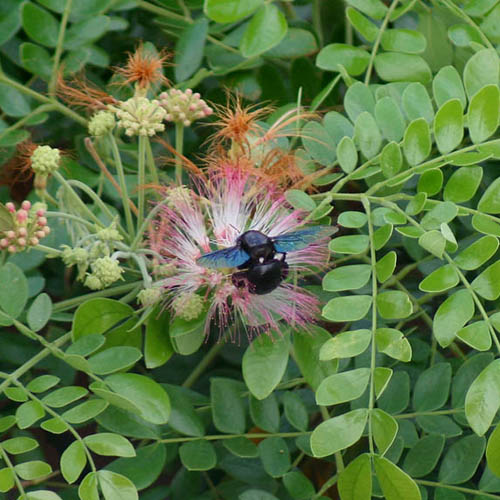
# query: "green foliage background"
396,394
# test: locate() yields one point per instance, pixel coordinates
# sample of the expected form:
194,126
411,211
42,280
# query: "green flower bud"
93,282
102,123
109,234
107,270
184,107
45,160
140,116
188,306
149,296
72,256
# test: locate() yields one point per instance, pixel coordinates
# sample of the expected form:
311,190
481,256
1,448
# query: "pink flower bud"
21,242
46,230
26,205
42,221
11,249
40,213
34,241
10,234
188,92
176,109
22,231
10,207
40,234
196,95
22,215
182,116
4,243
208,111
192,107
186,123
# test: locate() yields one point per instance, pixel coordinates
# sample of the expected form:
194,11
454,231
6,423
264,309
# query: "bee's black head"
257,245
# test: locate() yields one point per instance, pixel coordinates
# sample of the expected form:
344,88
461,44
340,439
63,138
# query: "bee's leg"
284,270
239,279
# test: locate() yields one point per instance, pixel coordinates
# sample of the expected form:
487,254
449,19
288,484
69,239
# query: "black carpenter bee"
262,258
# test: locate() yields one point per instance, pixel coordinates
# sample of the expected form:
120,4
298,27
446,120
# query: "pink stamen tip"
40,213
22,215
26,205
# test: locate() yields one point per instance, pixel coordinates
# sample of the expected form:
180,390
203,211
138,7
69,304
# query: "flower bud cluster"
176,196
101,123
105,271
140,116
184,107
28,225
187,306
149,296
45,160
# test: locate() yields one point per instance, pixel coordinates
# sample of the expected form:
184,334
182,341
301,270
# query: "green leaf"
54,426
265,355
482,69
40,25
317,142
381,378
441,213
85,411
338,433
493,451
116,487
449,126
29,413
367,134
300,200
228,409
13,298
298,485
36,60
275,456
477,254
86,345
451,316
397,67
12,102
183,418
88,487
114,359
417,103
64,396
358,99
42,383
361,24
424,455
395,483
266,30
342,387
354,244
18,445
109,444
33,470
434,242
39,312
351,308
394,305
345,345
391,123
393,343
353,59
146,395
157,346
462,459
297,43
417,141
463,34
382,235
241,447
352,219
372,8
490,201
347,277
443,278
198,455
476,335
483,398
189,49
487,284
355,481
187,336
85,32
432,388
295,411
463,184
447,85
385,266
306,348
347,154
484,112
6,479
403,40
265,413
253,494
73,461
385,429
229,11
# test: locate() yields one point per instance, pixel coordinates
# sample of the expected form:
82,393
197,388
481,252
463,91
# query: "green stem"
376,45
141,179
316,15
20,123
203,364
328,484
250,435
10,465
456,488
454,411
153,171
179,145
59,47
64,215
373,258
123,185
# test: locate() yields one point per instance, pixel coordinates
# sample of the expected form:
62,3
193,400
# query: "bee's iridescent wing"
227,257
297,240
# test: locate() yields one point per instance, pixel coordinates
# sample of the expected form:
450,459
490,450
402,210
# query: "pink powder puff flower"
229,204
